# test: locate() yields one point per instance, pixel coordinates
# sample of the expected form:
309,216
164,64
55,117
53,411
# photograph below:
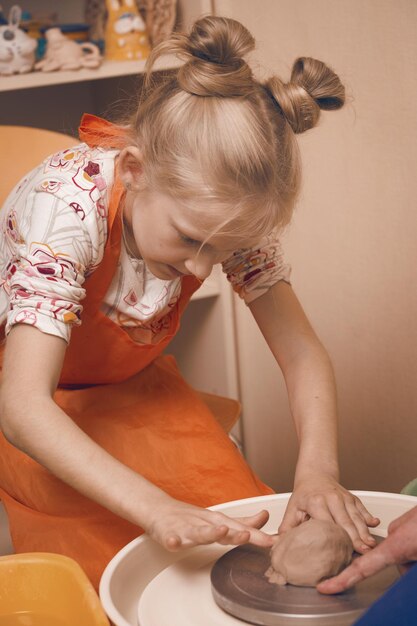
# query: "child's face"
168,237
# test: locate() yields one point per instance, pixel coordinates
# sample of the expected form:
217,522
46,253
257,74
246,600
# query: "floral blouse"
53,234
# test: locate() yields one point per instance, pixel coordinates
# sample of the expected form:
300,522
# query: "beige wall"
353,241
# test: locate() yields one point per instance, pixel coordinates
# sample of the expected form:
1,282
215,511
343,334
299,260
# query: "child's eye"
189,240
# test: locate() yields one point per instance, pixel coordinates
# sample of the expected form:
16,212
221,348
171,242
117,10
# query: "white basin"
130,571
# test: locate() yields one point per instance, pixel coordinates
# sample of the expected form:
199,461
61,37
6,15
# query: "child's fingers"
259,538
201,535
254,536
206,534
349,513
253,524
370,519
195,535
344,512
293,517
361,525
172,543
235,535
199,527
336,510
255,521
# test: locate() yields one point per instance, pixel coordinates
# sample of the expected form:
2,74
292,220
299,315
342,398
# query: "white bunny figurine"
17,49
65,54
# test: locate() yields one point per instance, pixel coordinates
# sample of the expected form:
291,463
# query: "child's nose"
201,266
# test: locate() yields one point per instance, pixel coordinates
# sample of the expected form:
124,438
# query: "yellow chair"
22,148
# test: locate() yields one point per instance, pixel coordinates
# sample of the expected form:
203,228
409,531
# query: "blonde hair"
222,142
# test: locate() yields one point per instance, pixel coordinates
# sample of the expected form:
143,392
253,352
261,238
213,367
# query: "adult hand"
321,497
177,525
400,547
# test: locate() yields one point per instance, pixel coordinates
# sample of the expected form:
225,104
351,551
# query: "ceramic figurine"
65,54
95,16
17,49
160,19
125,34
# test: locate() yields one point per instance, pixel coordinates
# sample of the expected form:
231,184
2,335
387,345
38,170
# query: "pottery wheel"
240,588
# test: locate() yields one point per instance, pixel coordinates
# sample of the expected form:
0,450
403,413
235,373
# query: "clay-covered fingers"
361,568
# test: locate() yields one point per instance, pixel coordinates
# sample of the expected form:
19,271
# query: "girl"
102,247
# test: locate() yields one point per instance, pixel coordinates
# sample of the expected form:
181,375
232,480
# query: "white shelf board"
108,69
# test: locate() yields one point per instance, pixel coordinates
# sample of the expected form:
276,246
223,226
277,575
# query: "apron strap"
98,132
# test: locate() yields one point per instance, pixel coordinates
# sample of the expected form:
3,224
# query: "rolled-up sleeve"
54,244
253,271
45,290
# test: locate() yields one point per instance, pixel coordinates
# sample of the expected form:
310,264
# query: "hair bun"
216,46
313,86
213,52
220,40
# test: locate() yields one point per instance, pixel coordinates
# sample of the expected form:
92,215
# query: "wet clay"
307,554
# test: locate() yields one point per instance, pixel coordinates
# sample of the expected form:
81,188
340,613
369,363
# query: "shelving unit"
108,69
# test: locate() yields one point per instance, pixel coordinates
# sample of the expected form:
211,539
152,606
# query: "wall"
352,242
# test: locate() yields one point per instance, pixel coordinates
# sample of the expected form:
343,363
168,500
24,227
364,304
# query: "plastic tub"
42,589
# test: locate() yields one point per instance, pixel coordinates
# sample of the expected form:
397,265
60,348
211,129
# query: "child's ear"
130,167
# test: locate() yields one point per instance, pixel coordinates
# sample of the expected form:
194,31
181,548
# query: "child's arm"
32,422
312,395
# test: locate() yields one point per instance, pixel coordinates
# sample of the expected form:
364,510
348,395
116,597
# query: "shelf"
108,69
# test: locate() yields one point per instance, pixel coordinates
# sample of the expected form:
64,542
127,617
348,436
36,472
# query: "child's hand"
320,496
177,525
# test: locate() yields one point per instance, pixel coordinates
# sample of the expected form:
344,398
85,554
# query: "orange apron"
134,403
